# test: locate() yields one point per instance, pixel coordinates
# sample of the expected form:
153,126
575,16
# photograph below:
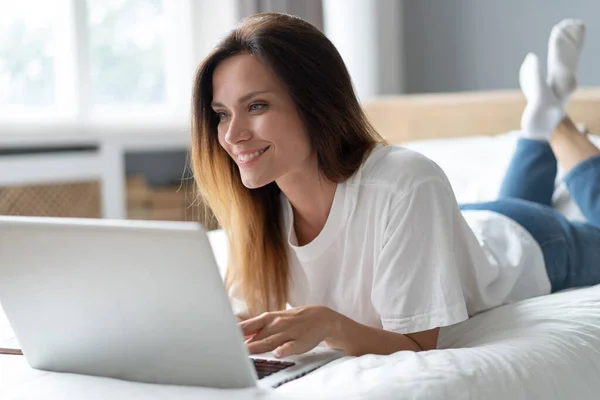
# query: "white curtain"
368,35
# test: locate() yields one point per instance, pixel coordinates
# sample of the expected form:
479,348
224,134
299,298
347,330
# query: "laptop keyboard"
268,367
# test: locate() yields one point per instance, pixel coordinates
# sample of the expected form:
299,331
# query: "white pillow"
476,167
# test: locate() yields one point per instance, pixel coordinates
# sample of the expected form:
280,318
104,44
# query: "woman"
365,241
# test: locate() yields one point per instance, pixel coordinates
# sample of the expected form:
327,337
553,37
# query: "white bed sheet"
542,348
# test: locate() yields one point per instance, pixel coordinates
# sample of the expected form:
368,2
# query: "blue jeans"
571,249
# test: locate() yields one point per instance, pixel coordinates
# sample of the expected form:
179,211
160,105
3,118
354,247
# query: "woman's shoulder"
398,168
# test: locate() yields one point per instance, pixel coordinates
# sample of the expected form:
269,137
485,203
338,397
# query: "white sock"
544,110
564,48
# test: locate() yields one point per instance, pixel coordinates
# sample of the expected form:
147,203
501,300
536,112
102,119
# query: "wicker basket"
82,200
76,200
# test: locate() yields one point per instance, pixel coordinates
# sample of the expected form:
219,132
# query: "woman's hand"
289,332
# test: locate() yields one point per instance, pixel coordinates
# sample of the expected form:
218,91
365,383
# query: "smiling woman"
365,241
276,128
261,122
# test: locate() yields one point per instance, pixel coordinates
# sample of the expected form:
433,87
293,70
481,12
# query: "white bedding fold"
542,348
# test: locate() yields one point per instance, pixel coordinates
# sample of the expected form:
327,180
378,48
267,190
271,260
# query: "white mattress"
542,348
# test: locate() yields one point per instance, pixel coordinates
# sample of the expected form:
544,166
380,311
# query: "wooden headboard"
426,116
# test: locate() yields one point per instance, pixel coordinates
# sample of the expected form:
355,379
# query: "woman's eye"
256,107
221,115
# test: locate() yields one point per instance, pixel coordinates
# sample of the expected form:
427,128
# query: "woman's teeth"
248,157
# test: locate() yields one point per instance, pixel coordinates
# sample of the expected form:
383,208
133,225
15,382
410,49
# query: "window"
90,62
127,57
29,36
26,55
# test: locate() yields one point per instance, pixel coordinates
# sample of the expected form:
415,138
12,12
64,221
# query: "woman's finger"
269,330
253,325
289,349
267,344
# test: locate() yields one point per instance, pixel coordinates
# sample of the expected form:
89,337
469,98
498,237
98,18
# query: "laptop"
135,300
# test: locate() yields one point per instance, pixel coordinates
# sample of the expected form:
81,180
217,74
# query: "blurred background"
95,94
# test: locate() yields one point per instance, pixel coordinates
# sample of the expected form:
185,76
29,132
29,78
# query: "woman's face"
259,125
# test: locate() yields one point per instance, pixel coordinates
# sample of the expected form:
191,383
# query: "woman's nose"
237,131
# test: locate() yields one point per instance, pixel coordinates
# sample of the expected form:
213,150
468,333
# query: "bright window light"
27,48
126,49
84,65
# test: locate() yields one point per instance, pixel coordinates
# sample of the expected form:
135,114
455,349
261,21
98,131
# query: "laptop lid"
136,300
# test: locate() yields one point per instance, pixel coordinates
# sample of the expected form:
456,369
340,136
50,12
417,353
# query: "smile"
244,158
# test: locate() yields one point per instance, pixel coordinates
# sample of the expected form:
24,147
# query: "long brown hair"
309,65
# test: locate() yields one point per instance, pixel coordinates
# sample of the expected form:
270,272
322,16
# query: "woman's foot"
547,97
544,110
564,50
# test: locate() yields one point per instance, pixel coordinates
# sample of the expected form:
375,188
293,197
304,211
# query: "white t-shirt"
397,253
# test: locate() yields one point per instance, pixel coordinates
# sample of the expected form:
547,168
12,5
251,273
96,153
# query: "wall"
310,10
455,45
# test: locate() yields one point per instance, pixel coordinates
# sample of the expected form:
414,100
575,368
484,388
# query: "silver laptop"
135,300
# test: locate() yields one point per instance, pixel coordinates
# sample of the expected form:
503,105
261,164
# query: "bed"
542,348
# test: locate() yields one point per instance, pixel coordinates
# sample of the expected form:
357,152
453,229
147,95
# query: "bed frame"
428,116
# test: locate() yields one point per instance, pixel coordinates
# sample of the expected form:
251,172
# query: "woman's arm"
357,339
300,329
